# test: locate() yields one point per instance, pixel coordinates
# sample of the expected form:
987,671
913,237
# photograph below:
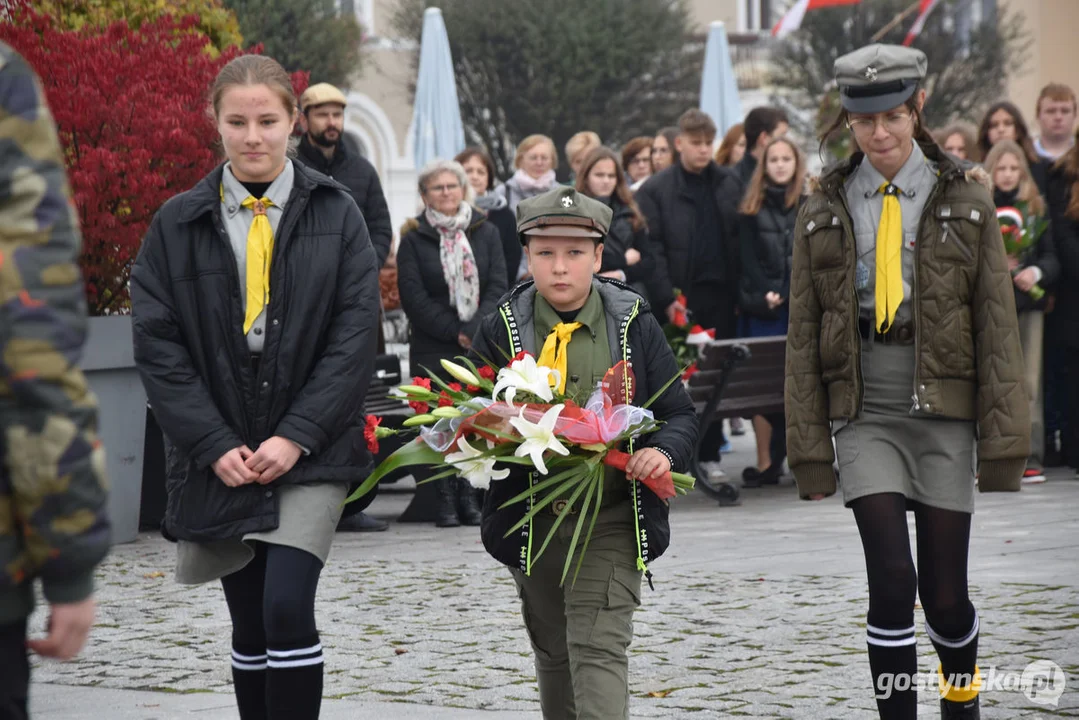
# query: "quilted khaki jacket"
969,360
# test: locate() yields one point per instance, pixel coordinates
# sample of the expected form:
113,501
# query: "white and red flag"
792,19
923,12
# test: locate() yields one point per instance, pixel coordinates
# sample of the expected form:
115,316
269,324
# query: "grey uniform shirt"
915,181
238,221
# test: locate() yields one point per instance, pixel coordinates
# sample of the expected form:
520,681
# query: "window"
756,15
364,10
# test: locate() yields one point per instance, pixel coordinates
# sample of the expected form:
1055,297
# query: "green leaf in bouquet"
594,481
409,454
591,527
579,472
439,476
540,486
658,393
582,484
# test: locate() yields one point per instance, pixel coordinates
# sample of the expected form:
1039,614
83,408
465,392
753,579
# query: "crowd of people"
255,304
719,227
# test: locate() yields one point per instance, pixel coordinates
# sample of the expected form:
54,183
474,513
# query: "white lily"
525,375
477,470
538,437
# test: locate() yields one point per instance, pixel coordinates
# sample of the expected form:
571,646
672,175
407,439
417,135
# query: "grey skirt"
308,518
888,450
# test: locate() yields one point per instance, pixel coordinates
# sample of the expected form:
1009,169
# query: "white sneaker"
713,470
1033,477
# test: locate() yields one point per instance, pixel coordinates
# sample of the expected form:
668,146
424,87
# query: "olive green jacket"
969,361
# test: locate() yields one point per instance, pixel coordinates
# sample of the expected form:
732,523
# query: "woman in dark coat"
481,177
627,254
766,227
451,271
1034,274
254,303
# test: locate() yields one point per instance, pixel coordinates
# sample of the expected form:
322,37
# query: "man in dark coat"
325,148
692,212
762,126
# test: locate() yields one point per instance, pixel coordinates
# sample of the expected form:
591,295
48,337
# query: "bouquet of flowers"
488,421
685,339
1021,231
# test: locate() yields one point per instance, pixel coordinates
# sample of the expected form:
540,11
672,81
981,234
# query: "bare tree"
618,67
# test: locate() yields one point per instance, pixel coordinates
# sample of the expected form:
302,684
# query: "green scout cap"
565,212
878,77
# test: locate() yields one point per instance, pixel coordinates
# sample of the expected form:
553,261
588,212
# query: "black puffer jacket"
194,361
354,171
425,296
668,206
767,246
1043,256
634,334
620,238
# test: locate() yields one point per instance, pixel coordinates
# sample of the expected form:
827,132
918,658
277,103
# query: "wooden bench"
735,378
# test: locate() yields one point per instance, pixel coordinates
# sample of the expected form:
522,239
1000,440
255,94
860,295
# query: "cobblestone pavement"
758,612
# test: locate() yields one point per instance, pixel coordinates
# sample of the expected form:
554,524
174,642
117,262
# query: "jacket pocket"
959,225
824,236
846,445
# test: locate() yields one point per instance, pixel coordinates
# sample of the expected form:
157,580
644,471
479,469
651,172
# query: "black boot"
468,510
968,710
754,478
447,503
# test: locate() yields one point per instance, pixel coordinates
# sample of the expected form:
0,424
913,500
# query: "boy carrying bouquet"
582,325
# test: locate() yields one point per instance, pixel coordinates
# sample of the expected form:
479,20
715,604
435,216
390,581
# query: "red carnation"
455,387
690,371
418,406
520,356
422,382
487,372
444,399
369,432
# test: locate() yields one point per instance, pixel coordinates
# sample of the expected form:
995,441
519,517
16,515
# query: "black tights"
276,654
940,580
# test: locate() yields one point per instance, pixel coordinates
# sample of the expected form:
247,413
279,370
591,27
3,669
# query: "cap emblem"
871,74
567,201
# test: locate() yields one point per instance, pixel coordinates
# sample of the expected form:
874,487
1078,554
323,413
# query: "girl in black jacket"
254,303
1034,272
627,254
451,271
766,230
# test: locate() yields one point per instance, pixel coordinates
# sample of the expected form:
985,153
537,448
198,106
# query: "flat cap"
878,77
320,94
563,212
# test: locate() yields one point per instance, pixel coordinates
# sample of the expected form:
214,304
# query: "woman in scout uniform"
903,342
254,299
582,325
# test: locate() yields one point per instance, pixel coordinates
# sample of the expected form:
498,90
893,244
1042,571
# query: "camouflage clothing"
52,482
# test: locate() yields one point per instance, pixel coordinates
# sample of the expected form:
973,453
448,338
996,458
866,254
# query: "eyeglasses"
894,122
439,189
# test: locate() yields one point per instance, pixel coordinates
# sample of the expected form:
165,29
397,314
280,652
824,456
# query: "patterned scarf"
458,261
530,185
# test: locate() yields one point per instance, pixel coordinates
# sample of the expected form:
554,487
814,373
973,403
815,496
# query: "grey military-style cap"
878,77
562,212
